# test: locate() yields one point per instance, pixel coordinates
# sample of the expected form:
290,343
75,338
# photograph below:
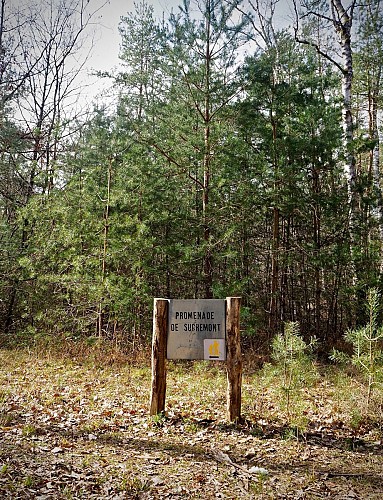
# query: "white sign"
190,323
214,349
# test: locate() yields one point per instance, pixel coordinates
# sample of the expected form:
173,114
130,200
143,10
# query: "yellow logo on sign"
214,349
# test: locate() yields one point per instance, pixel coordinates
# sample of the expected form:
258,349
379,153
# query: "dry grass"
74,424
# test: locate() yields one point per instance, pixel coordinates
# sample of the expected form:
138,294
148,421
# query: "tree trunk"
234,359
342,21
101,307
273,319
373,98
208,258
158,390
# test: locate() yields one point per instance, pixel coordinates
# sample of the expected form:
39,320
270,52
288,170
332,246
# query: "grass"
193,389
83,422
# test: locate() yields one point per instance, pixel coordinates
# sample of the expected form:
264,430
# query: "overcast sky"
106,45
104,56
105,52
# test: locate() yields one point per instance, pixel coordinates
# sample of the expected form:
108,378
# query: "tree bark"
342,21
234,359
373,110
159,344
208,264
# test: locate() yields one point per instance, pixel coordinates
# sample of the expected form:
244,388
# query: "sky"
108,39
106,50
104,56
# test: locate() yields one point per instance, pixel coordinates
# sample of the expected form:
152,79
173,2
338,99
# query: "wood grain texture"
160,325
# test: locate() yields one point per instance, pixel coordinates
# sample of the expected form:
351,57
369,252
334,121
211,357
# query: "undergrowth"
290,391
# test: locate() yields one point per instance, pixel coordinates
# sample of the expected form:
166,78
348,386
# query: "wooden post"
233,359
160,327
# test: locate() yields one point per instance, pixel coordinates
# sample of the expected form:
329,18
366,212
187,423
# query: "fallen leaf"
57,449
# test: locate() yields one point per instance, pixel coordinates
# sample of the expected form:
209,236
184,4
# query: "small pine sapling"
367,343
290,352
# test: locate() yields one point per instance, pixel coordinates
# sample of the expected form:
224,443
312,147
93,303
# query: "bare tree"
41,60
340,17
53,61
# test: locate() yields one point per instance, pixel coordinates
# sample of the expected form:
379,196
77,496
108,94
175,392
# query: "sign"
193,321
174,320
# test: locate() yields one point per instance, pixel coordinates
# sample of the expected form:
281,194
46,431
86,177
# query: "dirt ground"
68,431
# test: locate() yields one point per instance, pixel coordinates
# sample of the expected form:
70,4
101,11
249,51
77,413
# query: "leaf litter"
77,430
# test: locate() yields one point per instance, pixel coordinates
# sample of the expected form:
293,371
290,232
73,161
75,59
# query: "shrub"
291,353
367,355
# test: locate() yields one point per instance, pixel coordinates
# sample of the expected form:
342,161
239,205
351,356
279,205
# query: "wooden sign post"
160,330
199,329
233,359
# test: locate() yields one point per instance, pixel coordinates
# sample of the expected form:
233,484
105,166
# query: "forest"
234,152
235,155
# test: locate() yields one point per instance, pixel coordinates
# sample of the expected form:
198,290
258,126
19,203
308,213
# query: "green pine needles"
291,353
367,342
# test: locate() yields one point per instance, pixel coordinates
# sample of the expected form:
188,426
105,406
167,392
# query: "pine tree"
289,124
183,124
